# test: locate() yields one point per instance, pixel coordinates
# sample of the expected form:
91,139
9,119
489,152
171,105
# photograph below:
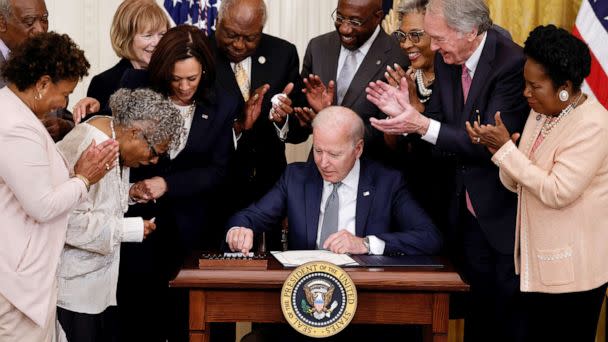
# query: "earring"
38,96
563,95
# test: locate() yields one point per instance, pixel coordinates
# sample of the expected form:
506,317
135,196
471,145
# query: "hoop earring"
563,95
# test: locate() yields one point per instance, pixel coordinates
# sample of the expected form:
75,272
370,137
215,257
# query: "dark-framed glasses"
414,36
153,152
339,19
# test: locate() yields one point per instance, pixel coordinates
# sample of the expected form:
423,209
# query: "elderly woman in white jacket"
145,125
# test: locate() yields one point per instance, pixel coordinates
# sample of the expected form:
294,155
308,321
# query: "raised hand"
84,107
253,108
491,136
318,95
304,115
97,160
282,106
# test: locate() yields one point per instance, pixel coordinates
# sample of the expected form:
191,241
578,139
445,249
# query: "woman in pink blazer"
560,173
37,191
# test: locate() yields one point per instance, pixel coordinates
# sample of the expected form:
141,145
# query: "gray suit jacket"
321,59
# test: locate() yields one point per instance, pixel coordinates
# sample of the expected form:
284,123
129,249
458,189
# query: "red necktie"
466,85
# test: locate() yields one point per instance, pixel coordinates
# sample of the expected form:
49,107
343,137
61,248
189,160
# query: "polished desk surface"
443,279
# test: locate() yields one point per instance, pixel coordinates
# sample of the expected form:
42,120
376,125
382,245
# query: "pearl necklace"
123,182
422,89
550,124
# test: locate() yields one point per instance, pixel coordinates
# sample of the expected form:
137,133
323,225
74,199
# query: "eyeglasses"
413,36
339,19
153,152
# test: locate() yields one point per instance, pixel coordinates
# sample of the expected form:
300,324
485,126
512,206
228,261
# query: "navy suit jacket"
384,209
259,159
195,174
102,86
321,58
497,85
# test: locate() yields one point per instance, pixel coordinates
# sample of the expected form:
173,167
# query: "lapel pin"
261,59
538,117
378,62
205,116
366,193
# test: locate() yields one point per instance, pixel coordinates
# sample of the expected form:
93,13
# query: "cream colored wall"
88,23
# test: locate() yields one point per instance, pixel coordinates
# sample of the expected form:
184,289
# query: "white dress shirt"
88,270
347,194
434,126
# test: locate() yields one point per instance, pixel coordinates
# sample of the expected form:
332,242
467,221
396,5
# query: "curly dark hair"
52,54
563,56
179,43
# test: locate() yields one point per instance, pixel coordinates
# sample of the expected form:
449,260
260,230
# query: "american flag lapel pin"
205,116
365,193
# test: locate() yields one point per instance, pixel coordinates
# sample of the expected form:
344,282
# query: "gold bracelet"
84,179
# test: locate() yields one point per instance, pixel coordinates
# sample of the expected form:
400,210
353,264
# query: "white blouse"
88,270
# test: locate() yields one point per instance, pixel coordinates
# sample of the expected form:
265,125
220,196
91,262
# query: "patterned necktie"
330,216
466,86
346,74
242,79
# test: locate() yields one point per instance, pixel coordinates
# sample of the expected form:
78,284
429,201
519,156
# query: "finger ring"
107,167
478,140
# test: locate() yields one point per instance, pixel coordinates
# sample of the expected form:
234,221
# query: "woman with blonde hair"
137,27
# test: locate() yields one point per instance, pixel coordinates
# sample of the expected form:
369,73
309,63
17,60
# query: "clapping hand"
280,110
491,136
318,95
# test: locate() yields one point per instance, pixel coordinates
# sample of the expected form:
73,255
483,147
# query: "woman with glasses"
182,185
417,45
145,125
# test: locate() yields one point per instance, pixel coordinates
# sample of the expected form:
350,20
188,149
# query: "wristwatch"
366,244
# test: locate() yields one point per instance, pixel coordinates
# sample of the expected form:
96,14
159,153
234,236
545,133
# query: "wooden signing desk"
385,296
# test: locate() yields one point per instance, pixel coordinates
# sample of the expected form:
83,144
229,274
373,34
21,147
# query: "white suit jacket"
36,195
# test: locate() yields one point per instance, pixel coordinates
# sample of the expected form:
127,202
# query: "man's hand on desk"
344,242
240,239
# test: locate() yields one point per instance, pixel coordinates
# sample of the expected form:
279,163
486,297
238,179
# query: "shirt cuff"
132,229
433,132
376,246
503,152
235,138
282,132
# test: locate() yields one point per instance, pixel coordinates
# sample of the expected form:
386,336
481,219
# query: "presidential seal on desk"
319,299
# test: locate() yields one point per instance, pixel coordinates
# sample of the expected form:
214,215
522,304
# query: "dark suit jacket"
195,174
259,159
321,58
497,86
102,86
384,209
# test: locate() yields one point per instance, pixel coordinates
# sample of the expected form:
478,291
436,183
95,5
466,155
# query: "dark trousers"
562,317
82,327
492,310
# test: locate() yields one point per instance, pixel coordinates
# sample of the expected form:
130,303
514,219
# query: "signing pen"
152,219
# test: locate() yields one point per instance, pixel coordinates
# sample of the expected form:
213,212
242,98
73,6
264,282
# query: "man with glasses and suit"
338,65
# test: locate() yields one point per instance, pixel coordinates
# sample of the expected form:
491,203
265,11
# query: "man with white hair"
478,72
339,202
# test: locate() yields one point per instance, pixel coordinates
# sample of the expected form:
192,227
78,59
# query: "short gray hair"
227,5
411,6
338,117
463,15
6,8
151,111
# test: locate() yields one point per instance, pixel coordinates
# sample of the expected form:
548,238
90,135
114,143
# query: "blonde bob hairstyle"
134,17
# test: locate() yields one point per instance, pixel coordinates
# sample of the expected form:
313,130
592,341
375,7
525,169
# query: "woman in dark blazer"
180,188
137,27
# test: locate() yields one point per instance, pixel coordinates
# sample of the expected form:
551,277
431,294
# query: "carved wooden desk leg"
438,331
199,328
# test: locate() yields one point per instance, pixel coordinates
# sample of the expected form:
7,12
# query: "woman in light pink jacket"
37,191
560,172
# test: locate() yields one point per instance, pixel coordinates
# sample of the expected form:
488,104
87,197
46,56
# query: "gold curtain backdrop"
518,16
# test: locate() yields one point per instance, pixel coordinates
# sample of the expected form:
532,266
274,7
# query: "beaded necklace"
550,124
422,89
123,181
